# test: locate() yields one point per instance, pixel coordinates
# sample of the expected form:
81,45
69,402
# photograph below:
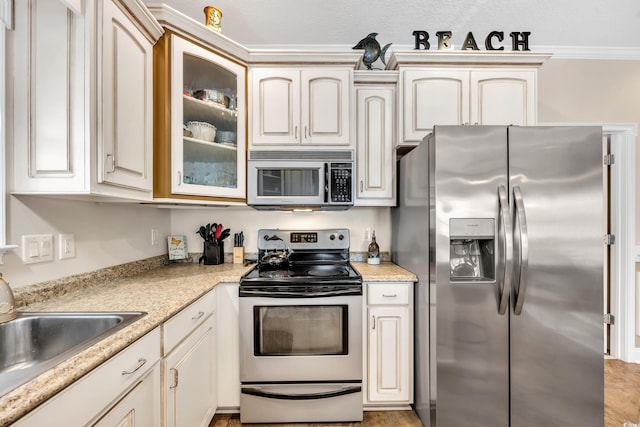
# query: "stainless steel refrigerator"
504,228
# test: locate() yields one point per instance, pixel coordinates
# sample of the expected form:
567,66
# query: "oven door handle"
309,396
284,294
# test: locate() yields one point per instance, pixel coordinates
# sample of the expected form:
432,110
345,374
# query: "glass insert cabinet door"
207,122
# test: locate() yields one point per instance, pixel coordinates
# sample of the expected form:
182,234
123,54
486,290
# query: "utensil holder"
213,254
238,255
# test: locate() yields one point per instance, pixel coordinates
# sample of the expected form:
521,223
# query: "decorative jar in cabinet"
200,123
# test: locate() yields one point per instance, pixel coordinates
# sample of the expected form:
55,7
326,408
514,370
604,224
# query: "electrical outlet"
367,234
66,246
37,248
155,236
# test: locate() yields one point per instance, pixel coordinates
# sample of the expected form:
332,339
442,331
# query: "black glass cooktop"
319,273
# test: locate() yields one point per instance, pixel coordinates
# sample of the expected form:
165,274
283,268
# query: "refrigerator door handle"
507,255
523,261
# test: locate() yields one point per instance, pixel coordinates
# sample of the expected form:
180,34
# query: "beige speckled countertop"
161,292
384,272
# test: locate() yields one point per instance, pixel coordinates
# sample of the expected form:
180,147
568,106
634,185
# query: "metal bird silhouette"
372,50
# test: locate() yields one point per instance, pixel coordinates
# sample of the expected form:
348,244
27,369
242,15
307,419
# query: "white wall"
249,220
106,235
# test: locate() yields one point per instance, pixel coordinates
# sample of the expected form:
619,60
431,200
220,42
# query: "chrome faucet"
7,302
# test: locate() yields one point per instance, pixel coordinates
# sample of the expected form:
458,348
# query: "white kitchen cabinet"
189,365
228,341
501,97
375,153
389,362
82,116
300,106
203,89
139,407
189,377
444,96
129,382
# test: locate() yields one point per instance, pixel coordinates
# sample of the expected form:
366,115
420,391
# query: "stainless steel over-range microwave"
297,179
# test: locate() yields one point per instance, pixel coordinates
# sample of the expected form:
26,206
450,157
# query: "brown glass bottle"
374,250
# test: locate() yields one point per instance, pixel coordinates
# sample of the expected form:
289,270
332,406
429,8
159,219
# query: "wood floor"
621,405
370,419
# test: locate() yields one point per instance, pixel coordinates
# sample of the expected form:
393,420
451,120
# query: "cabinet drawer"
388,293
93,393
181,325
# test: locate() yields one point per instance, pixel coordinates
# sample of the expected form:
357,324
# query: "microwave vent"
323,155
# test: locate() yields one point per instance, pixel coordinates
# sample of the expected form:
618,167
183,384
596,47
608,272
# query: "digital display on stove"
304,237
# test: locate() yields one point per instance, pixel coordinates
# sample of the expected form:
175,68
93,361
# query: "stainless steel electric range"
301,330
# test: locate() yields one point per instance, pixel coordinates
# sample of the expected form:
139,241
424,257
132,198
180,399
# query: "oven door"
295,183
300,339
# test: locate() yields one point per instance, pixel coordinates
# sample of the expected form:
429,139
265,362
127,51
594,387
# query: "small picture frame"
177,245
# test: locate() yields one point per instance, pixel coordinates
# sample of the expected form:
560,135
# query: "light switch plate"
37,248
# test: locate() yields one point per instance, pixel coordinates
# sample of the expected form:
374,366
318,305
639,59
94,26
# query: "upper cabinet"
464,96
201,138
301,106
449,88
82,96
375,153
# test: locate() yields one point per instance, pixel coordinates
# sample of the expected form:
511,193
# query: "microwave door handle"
327,182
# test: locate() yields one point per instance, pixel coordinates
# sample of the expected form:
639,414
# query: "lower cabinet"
189,379
389,359
228,347
123,390
189,364
139,407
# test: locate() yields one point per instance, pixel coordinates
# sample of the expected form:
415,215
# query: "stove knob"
341,237
332,237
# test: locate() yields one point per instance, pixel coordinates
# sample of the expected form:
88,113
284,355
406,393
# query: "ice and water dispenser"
471,249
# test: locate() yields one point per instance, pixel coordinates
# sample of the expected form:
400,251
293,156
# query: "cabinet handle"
389,295
175,378
197,316
295,131
373,321
179,178
112,163
361,186
140,364
305,132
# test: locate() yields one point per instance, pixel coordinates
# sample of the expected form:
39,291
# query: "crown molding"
591,52
557,52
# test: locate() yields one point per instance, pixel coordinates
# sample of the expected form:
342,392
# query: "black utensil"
225,233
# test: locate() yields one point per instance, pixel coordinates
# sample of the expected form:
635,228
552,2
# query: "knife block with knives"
238,248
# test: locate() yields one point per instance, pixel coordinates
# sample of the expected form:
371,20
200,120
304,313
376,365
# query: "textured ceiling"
563,23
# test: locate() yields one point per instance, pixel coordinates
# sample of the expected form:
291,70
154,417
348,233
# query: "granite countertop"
161,293
383,272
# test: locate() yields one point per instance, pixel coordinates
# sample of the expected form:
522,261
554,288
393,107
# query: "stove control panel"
275,239
297,237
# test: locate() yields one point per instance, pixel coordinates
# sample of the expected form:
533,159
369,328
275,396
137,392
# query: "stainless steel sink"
35,342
